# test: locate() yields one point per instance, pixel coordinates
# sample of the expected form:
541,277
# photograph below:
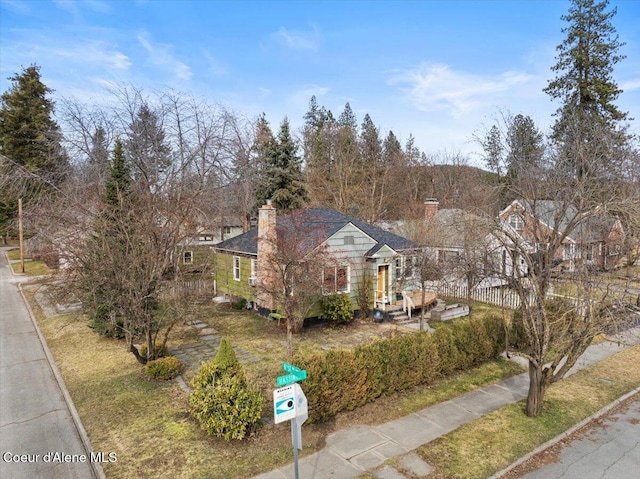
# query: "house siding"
224,277
202,257
351,254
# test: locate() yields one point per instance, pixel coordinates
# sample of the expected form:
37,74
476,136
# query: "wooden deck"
416,296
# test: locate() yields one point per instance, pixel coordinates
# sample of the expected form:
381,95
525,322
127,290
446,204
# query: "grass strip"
489,444
31,268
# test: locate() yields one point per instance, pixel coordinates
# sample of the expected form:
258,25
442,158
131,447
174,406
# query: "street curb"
565,434
98,472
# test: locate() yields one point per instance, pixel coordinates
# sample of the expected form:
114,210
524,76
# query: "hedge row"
341,380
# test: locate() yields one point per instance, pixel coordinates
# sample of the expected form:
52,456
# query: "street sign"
284,404
295,375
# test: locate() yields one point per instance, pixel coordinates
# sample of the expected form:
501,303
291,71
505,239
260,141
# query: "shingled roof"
323,223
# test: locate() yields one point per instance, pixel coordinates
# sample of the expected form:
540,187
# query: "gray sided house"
357,253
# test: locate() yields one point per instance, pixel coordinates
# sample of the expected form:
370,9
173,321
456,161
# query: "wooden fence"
192,287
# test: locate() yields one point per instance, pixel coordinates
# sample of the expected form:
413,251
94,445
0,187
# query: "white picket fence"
496,296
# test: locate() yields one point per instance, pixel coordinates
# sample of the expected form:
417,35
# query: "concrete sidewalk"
353,451
36,413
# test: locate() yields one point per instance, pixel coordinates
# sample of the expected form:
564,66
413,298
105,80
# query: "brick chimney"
267,237
430,208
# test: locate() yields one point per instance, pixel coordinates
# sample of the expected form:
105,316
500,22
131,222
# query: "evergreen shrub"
222,401
337,307
340,380
164,368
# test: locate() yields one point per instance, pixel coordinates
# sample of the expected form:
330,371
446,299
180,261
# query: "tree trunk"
289,339
537,389
136,353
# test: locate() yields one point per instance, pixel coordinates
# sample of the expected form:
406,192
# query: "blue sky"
439,70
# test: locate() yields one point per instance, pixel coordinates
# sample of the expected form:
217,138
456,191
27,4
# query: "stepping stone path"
205,349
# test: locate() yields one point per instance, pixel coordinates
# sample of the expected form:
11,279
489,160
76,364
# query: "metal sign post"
290,403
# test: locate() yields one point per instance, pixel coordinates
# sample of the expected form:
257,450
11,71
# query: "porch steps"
397,315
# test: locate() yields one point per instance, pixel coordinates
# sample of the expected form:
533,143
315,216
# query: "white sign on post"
302,414
284,403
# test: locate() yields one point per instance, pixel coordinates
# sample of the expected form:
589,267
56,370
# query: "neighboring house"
463,244
594,239
356,250
195,254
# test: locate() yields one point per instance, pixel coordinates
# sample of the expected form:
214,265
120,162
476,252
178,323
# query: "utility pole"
20,235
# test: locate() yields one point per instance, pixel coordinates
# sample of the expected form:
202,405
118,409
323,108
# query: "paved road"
35,419
608,449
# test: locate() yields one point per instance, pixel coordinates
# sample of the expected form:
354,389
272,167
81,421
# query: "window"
349,240
568,251
588,255
236,268
254,268
227,230
187,257
399,268
206,238
336,280
516,222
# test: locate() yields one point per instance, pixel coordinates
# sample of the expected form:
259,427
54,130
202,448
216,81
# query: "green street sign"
295,375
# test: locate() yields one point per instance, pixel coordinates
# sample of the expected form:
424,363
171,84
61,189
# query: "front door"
383,280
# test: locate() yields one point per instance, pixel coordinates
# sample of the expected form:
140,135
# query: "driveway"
39,435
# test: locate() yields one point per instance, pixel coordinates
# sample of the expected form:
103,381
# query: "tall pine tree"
586,88
147,149
30,140
282,180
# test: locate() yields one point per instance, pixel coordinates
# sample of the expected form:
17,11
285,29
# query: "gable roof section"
550,213
322,223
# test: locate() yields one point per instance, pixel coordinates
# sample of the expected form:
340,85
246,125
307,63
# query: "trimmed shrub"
221,400
164,368
341,380
337,307
227,408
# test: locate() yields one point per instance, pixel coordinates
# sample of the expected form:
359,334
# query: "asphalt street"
39,437
608,449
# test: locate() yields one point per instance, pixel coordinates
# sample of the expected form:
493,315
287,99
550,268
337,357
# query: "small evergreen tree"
110,236
222,401
225,360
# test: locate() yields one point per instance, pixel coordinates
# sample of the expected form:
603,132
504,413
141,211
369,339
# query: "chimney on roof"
430,208
267,237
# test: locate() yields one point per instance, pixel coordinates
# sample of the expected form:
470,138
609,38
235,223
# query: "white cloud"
630,85
298,40
432,87
161,56
94,52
